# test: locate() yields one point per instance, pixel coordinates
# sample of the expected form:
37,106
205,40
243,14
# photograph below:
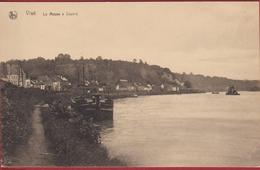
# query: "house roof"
124,83
51,79
44,78
177,82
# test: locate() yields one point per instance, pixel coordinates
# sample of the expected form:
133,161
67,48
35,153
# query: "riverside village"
64,106
129,84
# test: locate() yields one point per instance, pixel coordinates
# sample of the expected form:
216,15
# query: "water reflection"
186,130
106,124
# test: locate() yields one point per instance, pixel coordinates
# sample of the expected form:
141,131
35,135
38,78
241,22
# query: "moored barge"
96,106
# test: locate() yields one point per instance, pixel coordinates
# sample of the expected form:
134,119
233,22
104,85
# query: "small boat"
232,91
134,95
215,92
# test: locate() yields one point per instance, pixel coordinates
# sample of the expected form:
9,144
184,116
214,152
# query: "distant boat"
215,92
134,95
232,91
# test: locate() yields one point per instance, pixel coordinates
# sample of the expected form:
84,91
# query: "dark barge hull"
97,107
232,91
97,114
233,94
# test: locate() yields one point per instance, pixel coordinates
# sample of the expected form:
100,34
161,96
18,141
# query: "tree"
167,70
187,84
99,58
134,60
63,58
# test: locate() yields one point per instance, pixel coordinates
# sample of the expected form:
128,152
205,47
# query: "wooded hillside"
111,71
102,70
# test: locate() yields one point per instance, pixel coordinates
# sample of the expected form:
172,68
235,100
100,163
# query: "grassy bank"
16,120
73,143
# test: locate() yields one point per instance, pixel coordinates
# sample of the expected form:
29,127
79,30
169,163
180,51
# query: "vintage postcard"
137,84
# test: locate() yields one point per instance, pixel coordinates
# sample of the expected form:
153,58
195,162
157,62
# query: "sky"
209,38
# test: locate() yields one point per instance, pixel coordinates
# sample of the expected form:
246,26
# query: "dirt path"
35,152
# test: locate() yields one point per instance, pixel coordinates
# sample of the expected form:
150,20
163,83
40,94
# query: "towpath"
35,152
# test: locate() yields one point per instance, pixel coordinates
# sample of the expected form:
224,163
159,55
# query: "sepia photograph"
129,84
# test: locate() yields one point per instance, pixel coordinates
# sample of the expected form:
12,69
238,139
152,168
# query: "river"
186,130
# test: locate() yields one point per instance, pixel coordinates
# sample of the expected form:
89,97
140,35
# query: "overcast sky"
217,38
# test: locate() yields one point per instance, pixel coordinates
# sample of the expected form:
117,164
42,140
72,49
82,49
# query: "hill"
208,83
102,70
109,72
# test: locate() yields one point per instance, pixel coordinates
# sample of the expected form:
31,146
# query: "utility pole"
78,77
18,72
22,76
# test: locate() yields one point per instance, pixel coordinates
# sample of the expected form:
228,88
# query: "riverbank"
36,151
16,113
75,143
67,144
126,94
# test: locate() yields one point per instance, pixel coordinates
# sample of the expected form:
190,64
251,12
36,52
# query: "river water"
186,130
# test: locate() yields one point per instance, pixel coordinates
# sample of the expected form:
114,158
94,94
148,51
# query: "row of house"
125,85
14,74
51,83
